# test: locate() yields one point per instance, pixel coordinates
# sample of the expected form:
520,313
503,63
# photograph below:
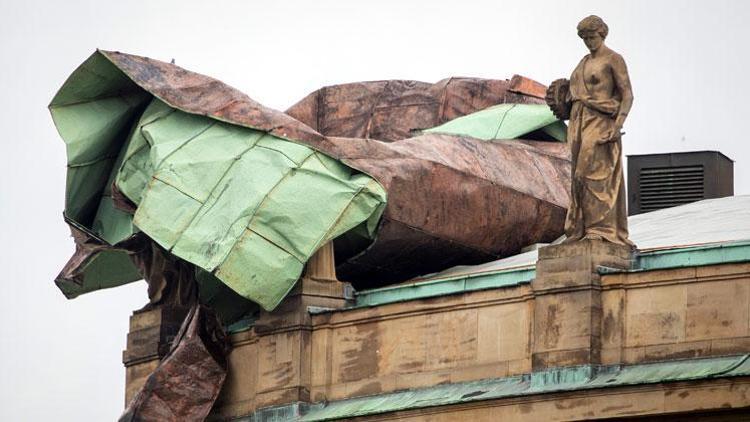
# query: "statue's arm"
622,82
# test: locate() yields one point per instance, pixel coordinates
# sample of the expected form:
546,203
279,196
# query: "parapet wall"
493,326
462,334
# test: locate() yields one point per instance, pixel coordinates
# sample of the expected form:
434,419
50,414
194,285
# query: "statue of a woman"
597,101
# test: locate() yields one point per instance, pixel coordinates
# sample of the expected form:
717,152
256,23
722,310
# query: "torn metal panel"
526,86
231,200
398,109
227,198
95,265
188,380
454,200
451,200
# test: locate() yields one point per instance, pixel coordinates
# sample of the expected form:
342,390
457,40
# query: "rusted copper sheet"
454,200
526,86
187,381
171,281
451,200
206,96
71,279
86,248
398,109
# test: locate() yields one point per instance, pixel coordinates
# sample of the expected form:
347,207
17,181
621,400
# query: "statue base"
568,308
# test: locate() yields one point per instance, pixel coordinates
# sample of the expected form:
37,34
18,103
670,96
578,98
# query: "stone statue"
596,99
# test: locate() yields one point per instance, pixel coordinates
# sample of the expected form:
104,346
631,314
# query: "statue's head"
592,31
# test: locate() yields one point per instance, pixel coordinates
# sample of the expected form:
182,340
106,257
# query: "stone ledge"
727,379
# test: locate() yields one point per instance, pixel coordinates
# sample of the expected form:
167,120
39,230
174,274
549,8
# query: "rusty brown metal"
455,200
187,382
87,247
451,200
206,96
526,86
71,278
398,109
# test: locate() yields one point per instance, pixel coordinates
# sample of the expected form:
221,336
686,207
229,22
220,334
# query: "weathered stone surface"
150,337
151,333
576,263
656,316
136,375
568,316
494,333
270,364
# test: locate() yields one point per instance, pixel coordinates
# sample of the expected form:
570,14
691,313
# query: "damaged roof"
247,194
708,232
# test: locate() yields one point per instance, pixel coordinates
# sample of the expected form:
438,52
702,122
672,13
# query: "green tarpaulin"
505,121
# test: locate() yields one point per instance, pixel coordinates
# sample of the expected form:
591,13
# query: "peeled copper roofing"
199,94
451,200
185,385
397,109
455,200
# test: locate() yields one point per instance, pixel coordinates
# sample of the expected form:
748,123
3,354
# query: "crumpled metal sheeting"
188,380
171,281
95,264
396,109
455,200
443,217
203,95
223,196
231,199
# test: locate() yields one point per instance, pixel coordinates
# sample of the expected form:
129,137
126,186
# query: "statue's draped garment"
597,206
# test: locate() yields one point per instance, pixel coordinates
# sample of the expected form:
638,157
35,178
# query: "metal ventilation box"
657,181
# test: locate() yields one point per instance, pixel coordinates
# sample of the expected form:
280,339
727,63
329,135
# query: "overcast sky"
61,359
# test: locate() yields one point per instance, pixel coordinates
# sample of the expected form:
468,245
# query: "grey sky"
688,65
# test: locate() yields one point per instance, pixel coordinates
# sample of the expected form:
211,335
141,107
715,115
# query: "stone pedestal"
150,338
568,309
271,364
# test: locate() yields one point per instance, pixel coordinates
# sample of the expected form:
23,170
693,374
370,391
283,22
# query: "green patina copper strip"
555,380
648,261
713,254
445,286
722,253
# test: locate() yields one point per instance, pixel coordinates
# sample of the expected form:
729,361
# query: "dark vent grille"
657,181
670,186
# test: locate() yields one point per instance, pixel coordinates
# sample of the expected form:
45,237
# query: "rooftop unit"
657,181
